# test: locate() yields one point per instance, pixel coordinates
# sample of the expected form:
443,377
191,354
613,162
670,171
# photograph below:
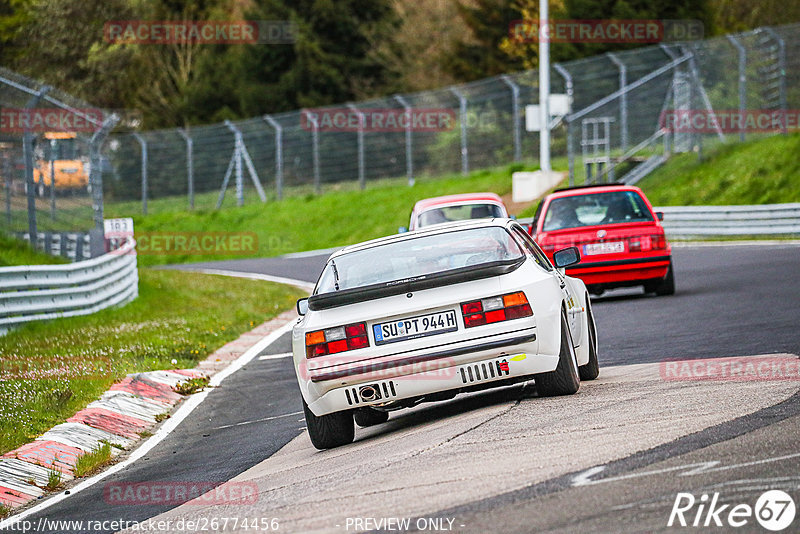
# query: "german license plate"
612,247
414,327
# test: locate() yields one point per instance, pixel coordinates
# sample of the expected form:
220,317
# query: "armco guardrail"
759,220
705,221
37,292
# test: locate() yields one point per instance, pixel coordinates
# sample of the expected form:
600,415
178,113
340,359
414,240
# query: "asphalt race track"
612,458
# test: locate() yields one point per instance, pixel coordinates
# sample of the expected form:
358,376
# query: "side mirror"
660,215
402,230
512,217
566,257
302,306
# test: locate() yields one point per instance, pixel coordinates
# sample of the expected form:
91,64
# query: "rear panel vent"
479,372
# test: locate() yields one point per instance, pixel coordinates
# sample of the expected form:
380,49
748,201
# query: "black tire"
329,431
365,417
564,380
592,367
667,286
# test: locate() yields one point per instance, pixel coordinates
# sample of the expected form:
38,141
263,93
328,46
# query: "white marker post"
544,87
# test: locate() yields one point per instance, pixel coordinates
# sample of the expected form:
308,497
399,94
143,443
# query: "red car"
450,208
621,239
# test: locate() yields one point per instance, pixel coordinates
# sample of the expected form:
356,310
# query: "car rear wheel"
365,417
663,287
564,380
329,431
592,368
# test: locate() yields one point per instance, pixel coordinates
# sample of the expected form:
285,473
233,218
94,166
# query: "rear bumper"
622,272
470,366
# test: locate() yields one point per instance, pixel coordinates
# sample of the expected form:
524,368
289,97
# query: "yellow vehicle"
58,158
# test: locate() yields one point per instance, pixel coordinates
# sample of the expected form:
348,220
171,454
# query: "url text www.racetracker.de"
202,524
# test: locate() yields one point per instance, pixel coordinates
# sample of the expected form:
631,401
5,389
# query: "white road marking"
183,411
584,478
259,420
275,356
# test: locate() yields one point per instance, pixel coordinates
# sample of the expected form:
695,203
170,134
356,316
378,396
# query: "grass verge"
50,370
763,171
307,222
15,251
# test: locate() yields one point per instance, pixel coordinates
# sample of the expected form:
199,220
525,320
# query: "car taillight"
659,242
646,242
339,339
495,309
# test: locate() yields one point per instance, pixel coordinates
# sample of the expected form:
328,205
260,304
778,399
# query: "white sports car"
425,315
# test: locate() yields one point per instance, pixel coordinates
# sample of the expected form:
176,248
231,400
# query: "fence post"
361,175
462,113
97,243
315,150
278,155
237,154
742,51
570,149
27,148
189,164
52,188
623,99
515,116
782,68
409,153
5,157
143,143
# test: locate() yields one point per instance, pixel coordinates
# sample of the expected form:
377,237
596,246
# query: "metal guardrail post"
782,68
515,117
27,148
462,114
143,144
742,51
278,155
570,149
623,99
361,174
189,164
409,153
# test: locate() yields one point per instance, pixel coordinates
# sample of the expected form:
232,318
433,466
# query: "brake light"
646,243
495,309
334,340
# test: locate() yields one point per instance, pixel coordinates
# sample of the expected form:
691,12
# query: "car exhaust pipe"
368,393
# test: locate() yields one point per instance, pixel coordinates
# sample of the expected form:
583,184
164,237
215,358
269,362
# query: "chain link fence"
614,130
51,166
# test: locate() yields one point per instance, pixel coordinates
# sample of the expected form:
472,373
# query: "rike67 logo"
774,510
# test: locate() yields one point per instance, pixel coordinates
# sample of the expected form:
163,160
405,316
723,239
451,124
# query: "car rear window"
595,209
459,213
423,255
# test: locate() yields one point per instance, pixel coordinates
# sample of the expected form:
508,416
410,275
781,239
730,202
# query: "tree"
479,54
